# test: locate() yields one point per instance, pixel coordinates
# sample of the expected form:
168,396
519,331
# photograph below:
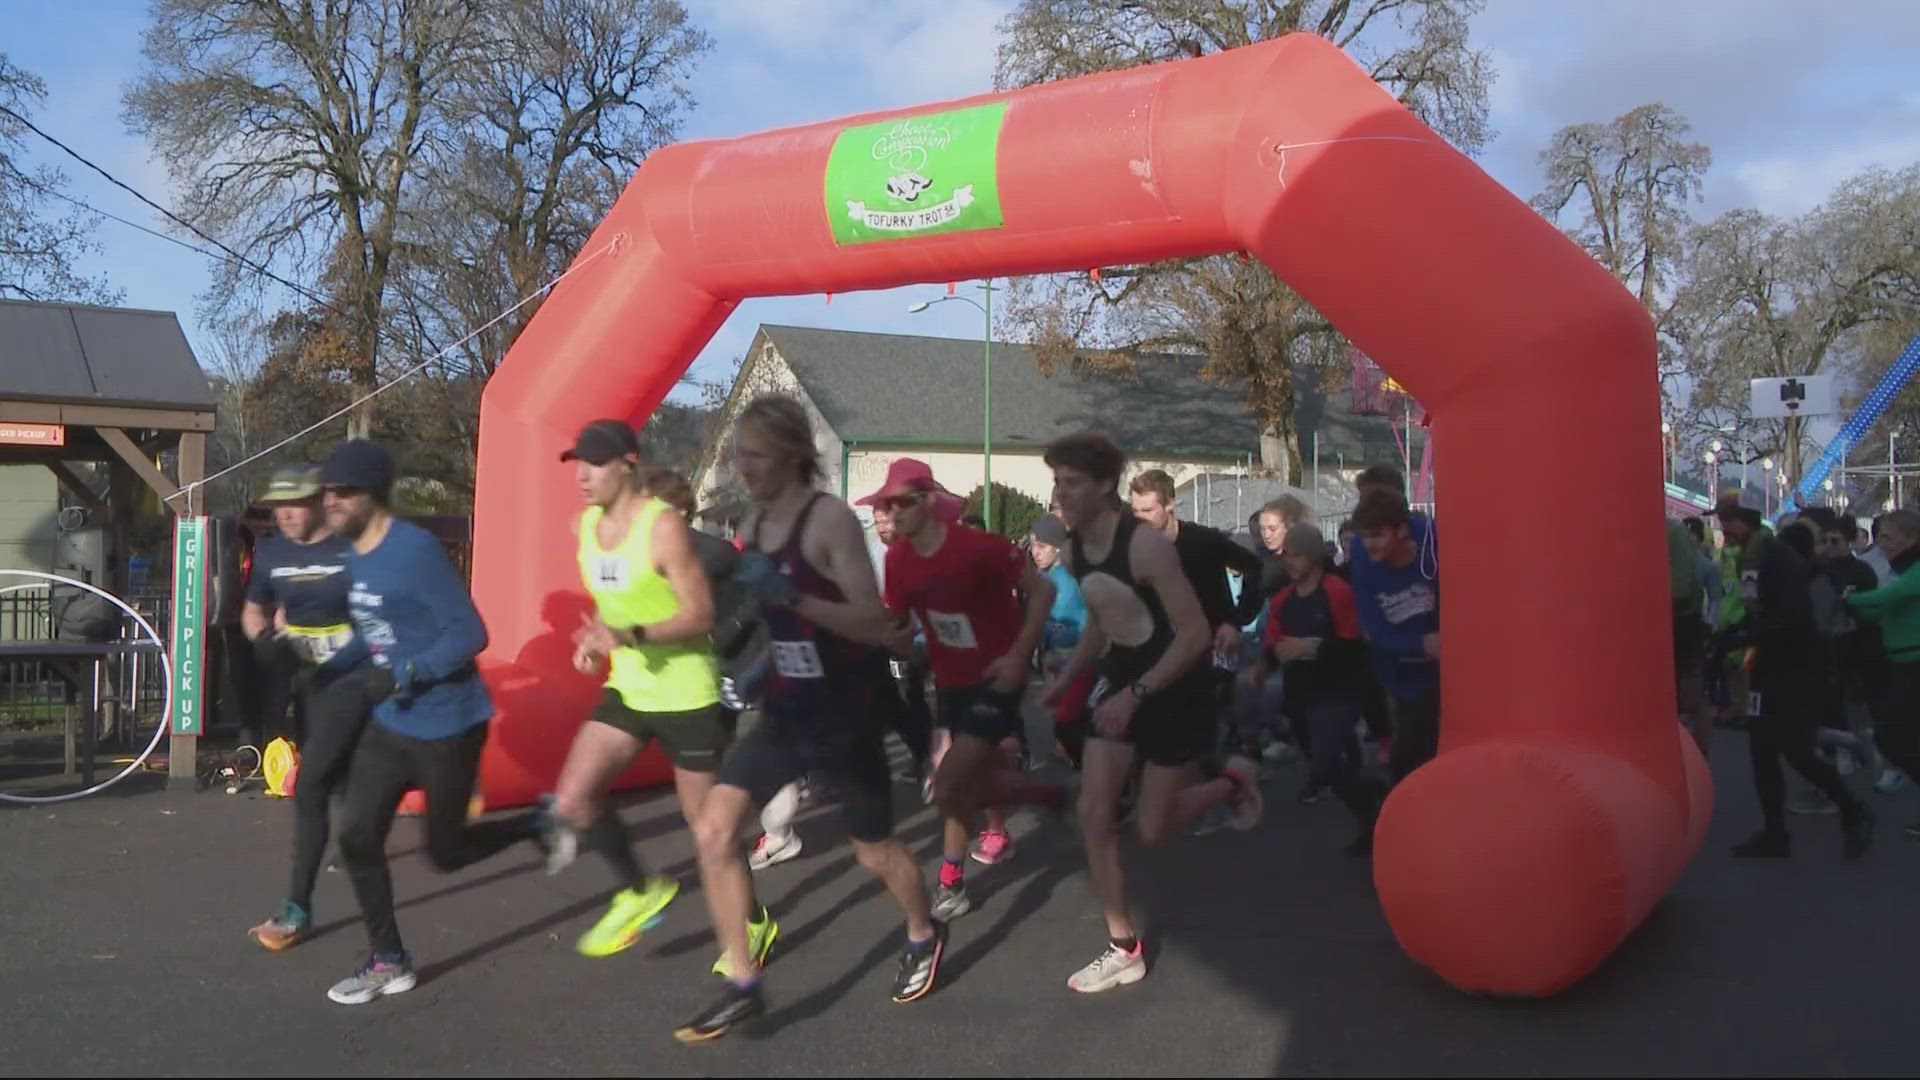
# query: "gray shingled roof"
901,388
76,354
905,388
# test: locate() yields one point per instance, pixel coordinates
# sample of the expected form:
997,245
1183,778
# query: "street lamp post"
1712,458
986,385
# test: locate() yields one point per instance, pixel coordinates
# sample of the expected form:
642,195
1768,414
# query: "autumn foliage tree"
1254,330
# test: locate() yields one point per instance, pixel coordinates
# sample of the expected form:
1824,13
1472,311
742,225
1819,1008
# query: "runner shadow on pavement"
572,911
414,901
1029,891
818,1002
817,879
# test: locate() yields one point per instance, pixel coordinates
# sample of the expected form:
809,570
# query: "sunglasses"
335,491
897,502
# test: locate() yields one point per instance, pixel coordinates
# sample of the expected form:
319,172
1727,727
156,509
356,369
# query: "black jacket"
1205,556
1776,585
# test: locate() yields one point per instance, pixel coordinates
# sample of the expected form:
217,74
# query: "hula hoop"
166,666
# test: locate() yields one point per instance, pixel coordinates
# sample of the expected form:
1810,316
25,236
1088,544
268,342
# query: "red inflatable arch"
1565,799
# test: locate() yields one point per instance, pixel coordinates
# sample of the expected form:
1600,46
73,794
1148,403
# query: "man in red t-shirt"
1313,630
964,587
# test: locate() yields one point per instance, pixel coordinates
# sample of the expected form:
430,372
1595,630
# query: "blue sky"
1792,96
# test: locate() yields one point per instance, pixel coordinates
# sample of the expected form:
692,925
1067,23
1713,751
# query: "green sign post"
916,176
189,624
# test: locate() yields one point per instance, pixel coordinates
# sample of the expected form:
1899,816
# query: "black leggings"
385,766
1339,761
1896,721
1789,714
336,713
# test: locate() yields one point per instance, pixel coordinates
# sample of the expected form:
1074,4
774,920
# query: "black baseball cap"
359,465
602,441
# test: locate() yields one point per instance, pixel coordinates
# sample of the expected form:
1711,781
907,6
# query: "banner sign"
916,176
33,434
1799,395
189,624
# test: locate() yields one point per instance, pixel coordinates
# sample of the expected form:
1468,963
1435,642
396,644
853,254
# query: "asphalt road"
124,919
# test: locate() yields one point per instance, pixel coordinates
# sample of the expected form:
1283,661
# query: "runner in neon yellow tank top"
649,637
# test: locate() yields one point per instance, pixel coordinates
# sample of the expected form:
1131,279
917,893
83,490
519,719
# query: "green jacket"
1896,607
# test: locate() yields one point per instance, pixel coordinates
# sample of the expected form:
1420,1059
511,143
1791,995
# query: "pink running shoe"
992,847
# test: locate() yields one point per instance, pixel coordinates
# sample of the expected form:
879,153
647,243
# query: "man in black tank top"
1148,636
807,562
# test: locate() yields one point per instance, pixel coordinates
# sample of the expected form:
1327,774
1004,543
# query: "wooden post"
183,751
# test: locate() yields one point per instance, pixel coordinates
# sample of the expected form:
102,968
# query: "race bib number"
1753,704
317,646
955,631
610,572
798,660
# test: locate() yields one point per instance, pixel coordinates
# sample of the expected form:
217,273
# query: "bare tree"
549,122
1253,329
296,130
1630,180
1766,298
37,243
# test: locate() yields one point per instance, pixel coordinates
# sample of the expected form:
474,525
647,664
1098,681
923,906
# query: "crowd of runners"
769,667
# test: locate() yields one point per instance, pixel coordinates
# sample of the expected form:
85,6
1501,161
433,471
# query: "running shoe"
919,965
1247,803
736,1005
284,930
1891,780
1912,831
1115,967
378,977
1311,794
1211,821
760,936
950,902
633,912
769,850
992,847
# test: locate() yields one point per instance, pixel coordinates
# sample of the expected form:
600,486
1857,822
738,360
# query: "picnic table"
82,664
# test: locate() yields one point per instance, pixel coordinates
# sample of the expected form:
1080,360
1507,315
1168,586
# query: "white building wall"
29,508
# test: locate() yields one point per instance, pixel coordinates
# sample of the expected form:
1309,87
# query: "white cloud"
949,53
1794,181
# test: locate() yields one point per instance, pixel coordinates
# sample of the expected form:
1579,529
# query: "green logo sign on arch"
916,176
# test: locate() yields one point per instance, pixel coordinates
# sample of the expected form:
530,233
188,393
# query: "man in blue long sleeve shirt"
428,707
1396,579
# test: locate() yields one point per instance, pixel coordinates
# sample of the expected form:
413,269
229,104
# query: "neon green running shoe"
633,913
760,934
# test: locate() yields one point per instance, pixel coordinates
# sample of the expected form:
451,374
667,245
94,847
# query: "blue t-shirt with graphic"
414,613
308,582
1399,607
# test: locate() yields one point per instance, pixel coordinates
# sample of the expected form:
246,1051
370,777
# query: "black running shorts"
694,740
1173,727
980,711
852,764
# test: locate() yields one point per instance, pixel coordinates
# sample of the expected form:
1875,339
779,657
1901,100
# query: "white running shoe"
770,849
1891,780
1247,804
1113,968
